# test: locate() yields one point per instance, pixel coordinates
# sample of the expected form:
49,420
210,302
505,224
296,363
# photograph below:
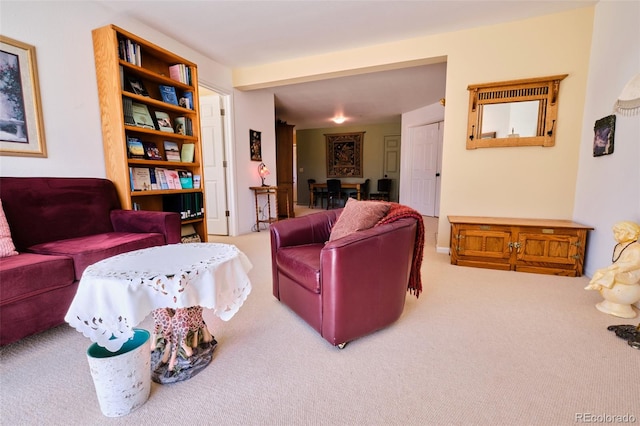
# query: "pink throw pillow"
6,243
358,215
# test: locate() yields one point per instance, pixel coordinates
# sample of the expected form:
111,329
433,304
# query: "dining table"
323,187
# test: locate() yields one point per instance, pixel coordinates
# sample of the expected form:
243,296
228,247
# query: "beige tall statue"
619,283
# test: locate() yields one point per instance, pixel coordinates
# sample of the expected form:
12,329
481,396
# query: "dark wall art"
604,130
255,144
344,155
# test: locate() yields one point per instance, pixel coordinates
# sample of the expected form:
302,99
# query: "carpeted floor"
479,347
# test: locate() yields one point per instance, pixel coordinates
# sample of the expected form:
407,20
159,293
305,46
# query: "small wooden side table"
267,191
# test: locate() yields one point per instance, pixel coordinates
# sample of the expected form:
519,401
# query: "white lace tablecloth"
116,294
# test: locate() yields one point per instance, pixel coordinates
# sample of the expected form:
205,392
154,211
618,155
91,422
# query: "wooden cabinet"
284,168
527,245
133,73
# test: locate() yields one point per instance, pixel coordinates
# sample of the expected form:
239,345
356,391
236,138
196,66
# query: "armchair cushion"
301,263
357,216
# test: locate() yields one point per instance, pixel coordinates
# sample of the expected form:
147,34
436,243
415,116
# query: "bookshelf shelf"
121,83
151,193
158,163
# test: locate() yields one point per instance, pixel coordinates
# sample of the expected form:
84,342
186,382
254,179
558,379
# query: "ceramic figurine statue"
619,283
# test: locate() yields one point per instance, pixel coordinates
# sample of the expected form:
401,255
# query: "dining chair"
334,190
313,192
384,190
364,191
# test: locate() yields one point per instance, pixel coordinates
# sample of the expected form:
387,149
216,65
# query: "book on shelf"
140,179
186,101
186,179
181,73
130,51
196,181
141,116
180,125
164,122
188,205
172,151
187,153
161,178
184,126
135,148
168,94
151,151
137,86
189,234
173,180
127,108
153,177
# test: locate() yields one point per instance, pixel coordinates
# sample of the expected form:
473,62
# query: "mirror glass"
513,113
511,119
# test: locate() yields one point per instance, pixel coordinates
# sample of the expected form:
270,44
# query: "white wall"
61,34
255,111
608,188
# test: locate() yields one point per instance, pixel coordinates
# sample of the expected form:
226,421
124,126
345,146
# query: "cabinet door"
491,244
482,248
533,247
549,254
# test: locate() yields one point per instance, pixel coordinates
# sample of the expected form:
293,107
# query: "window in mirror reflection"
513,119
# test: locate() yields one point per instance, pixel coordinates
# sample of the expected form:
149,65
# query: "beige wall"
519,182
312,154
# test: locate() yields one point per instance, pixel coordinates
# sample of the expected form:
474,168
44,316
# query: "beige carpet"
479,347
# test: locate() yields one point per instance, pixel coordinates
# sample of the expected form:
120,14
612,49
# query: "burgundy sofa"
348,287
59,227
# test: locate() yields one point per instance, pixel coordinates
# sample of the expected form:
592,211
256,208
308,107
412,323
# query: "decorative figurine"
181,345
619,283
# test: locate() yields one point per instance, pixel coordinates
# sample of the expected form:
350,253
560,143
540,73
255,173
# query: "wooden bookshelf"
119,57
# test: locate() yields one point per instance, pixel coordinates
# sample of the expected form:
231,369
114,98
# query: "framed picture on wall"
21,125
604,130
344,155
255,144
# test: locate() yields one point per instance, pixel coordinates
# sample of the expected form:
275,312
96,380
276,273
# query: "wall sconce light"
628,103
263,171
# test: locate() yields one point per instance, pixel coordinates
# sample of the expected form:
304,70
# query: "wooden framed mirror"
513,113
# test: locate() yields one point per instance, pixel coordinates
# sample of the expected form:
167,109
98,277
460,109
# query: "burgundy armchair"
348,287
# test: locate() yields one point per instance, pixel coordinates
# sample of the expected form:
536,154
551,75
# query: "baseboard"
442,250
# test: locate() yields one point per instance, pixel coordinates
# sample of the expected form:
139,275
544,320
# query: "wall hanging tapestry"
344,155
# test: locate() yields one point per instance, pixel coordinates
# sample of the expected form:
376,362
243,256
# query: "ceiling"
249,33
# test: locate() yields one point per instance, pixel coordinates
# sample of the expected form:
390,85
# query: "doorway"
425,147
212,130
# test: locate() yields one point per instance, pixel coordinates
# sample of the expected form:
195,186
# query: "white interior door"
423,141
391,165
213,157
